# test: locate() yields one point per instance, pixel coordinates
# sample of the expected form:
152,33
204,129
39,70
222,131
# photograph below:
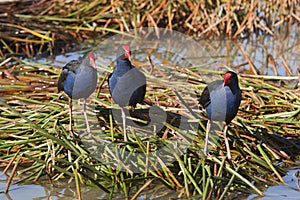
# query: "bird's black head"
229,78
124,52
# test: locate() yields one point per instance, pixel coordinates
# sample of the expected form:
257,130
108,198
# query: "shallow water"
44,190
63,190
289,190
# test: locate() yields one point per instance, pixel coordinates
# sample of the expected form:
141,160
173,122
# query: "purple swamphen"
221,99
78,79
127,84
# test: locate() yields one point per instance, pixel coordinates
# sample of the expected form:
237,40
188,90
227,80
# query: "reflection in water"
289,190
44,190
65,191
258,54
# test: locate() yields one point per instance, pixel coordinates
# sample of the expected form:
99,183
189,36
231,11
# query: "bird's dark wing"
204,99
109,76
73,65
70,66
61,79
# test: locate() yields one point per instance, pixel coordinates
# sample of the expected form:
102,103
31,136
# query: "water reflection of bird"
126,83
78,79
221,100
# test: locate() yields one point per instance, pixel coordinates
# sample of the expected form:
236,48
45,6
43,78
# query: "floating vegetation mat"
34,141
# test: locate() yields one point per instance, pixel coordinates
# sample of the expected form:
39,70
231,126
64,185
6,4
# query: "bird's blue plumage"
78,79
127,84
221,101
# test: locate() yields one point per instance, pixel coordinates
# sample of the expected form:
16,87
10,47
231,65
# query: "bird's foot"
122,144
84,134
206,153
72,133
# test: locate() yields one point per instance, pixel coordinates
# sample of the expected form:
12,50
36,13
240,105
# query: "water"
44,190
65,191
289,190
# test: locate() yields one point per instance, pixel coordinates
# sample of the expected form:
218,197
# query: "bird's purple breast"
128,88
224,104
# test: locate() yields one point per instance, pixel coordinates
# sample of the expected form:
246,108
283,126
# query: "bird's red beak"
127,52
226,78
92,60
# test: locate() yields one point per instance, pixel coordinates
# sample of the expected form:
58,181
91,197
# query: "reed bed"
46,27
34,141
